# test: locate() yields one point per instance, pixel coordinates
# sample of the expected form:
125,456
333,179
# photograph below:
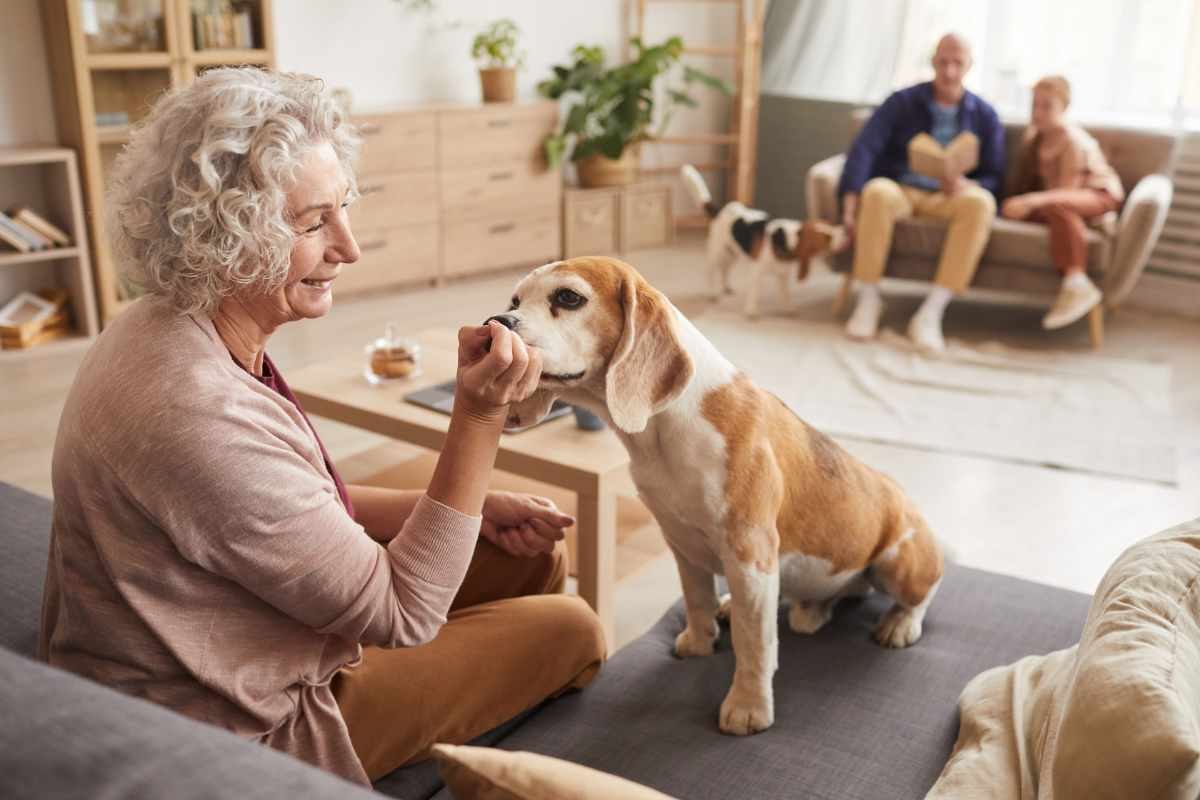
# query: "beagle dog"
737,234
739,484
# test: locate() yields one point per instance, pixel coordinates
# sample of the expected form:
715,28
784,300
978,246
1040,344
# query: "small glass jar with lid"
392,357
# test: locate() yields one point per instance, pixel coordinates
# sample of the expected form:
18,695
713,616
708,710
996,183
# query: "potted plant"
610,110
495,51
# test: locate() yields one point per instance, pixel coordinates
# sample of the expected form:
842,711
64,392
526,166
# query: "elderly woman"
1064,182
205,554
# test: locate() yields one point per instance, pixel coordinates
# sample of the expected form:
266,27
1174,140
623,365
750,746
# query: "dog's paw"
809,617
692,643
900,627
743,715
725,609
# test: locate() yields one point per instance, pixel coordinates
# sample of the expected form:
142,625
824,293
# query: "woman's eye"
568,299
315,228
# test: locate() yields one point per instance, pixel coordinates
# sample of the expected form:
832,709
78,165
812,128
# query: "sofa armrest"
1138,229
820,188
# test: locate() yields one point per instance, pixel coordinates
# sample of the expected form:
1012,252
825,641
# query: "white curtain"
1126,59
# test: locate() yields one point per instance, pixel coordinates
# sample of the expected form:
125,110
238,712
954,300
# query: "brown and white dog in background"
741,235
739,484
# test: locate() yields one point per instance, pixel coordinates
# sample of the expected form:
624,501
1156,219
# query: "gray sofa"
854,721
1017,257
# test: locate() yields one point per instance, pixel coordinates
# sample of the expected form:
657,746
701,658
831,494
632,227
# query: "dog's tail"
699,189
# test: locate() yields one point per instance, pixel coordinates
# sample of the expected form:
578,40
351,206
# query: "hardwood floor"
1050,525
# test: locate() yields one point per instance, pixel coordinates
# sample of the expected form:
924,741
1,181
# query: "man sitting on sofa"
878,187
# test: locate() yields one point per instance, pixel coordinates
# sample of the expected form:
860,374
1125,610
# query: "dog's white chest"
681,477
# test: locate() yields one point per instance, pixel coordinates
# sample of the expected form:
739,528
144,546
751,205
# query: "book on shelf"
31,219
927,157
22,238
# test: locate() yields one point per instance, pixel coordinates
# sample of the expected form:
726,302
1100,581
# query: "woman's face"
317,212
1047,111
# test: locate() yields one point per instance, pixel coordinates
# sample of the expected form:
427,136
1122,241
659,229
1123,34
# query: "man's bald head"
951,61
952,42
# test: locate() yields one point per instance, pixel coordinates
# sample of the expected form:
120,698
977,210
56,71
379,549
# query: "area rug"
1070,410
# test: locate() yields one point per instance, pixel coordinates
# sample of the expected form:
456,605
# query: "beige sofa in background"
1017,257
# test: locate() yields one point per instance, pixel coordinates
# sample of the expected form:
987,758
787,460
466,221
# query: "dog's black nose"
507,320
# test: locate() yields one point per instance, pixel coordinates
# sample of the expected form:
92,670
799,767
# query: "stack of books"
218,26
32,318
27,232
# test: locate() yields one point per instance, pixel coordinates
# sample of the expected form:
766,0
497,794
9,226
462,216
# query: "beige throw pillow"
1126,723
1115,717
483,773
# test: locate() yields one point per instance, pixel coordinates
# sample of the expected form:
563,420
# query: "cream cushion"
1117,716
483,773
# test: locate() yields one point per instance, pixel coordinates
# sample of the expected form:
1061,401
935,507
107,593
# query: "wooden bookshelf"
94,72
46,179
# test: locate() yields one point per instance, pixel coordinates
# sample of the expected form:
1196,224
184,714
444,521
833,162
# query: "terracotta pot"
600,170
499,84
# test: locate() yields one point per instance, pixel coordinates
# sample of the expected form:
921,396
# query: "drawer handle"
500,176
370,128
370,188
374,244
502,228
499,123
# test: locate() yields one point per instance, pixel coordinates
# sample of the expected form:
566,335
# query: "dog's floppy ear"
649,367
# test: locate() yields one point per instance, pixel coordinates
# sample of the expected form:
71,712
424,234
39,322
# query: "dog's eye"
515,304
568,299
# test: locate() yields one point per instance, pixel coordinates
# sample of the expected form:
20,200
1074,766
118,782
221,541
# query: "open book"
927,157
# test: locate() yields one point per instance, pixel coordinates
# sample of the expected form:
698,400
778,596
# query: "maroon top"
272,379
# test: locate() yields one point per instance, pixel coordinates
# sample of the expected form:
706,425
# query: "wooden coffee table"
592,464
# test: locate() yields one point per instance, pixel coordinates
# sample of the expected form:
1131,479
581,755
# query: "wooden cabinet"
617,219
109,60
591,222
450,192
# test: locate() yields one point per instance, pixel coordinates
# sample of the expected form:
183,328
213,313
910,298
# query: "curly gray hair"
198,199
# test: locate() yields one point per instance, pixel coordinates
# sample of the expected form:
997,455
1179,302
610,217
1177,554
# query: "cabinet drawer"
406,254
646,217
485,137
396,142
480,191
477,245
395,198
590,224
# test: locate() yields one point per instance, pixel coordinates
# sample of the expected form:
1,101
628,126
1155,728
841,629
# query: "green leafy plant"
495,46
609,109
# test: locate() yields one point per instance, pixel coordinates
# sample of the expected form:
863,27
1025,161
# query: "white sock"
935,303
1076,280
869,296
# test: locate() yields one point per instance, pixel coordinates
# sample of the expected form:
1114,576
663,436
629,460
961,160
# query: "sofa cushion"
481,773
853,720
24,545
1014,243
64,737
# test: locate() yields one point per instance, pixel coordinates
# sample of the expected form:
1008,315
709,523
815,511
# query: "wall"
793,134
390,56
26,103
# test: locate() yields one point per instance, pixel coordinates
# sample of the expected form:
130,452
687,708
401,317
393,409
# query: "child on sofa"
1063,181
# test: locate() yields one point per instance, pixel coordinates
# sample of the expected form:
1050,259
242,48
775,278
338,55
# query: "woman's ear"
649,367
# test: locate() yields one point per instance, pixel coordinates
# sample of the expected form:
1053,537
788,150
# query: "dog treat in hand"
391,357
